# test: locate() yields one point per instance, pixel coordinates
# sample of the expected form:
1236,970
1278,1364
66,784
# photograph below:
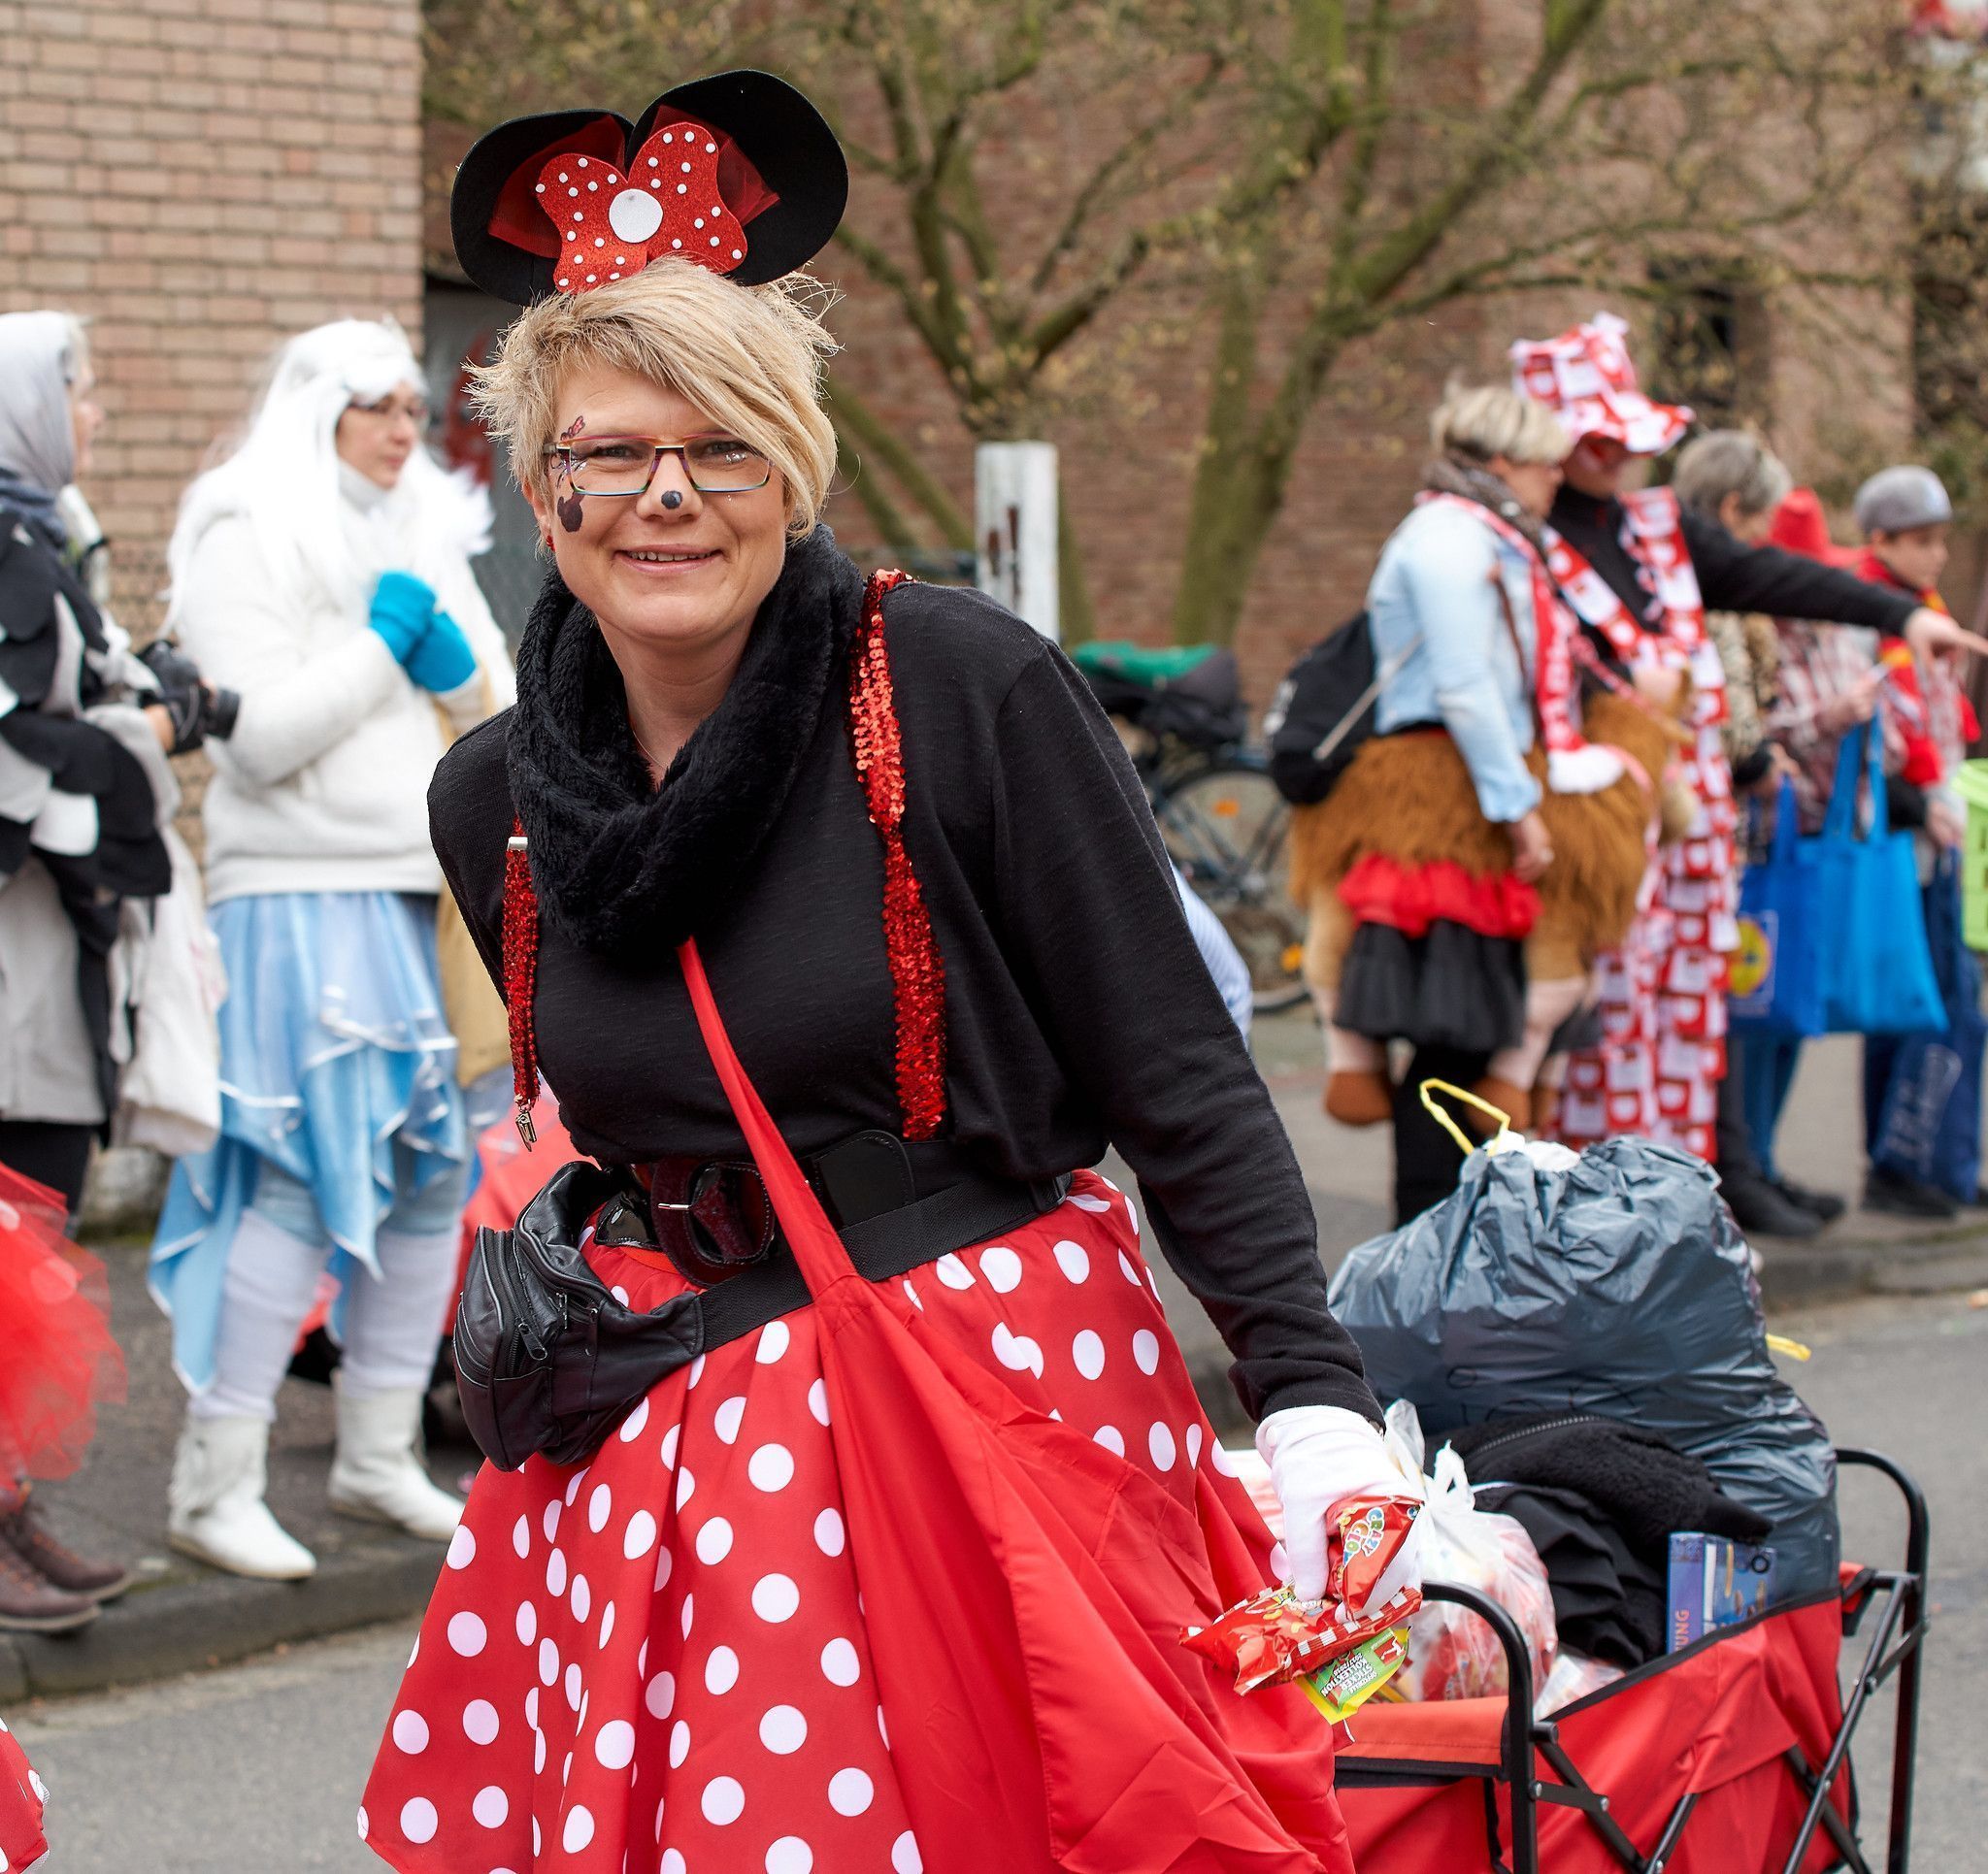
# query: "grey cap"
1895,501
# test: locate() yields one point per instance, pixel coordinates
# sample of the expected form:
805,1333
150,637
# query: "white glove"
1319,1455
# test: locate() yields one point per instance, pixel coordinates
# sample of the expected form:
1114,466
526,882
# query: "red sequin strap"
917,973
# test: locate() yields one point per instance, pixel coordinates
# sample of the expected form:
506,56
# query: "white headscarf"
319,523
40,356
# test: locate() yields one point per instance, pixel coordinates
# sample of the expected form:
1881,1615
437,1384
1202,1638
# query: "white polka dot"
829,1535
578,1830
850,1793
411,1733
537,1753
672,1862
573,1486
531,1708
882,1730
680,1744
1126,1269
773,1343
840,1664
1016,1351
572,1686
555,1573
552,1519
668,1447
783,1730
418,1819
715,1540
1279,1562
774,1598
817,1401
725,1420
462,1547
639,1536
1111,1437
631,1426
689,1602
697,1369
1075,1261
615,1744
1159,1441
599,1506
521,1537
608,1623
492,1806
1146,1350
1083,1202
527,1622
790,1855
466,1635
1132,1216
721,1671
364,1825
662,1696
1002,1268
771,1467
582,1597
1088,1351
905,1858
911,1294
666,1560
549,1663
723,1801
480,1720
953,1272
686,1483
1218,1457
1193,1445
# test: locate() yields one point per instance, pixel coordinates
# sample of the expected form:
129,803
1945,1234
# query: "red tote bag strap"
817,1249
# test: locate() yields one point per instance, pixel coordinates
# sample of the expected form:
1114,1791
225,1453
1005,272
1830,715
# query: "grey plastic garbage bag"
1618,1285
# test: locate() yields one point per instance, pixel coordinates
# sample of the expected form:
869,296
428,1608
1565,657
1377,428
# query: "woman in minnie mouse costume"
884,1566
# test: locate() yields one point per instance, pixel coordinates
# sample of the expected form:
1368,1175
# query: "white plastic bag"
1452,1654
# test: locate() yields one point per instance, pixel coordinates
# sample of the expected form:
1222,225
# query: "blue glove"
442,660
402,606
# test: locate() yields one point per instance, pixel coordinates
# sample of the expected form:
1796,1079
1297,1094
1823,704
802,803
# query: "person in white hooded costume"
321,570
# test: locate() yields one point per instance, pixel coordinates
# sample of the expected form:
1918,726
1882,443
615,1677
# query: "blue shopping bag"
1877,970
1775,985
1922,1092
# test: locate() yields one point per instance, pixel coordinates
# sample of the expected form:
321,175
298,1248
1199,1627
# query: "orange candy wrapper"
1340,1657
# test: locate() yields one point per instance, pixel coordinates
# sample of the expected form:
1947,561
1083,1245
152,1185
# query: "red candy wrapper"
1363,1539
1273,1637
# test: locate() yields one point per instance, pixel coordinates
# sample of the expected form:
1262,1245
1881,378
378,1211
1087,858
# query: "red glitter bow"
668,203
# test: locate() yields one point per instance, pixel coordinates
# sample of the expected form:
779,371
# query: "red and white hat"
1586,378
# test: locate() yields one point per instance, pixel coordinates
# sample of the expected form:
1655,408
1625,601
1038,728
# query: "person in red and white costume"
894,1579
1640,572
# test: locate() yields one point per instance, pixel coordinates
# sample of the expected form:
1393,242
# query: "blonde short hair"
751,358
1494,421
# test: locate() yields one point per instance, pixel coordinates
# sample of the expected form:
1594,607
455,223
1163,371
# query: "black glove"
197,709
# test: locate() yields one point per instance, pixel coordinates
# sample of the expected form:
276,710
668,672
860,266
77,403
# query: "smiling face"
660,580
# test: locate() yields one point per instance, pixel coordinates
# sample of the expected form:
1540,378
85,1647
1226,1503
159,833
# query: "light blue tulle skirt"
334,1052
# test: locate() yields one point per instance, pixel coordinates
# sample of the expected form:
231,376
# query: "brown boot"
31,1603
1515,1102
1359,1099
22,1531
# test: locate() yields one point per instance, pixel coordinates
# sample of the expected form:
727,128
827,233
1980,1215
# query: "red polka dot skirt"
22,1796
663,1663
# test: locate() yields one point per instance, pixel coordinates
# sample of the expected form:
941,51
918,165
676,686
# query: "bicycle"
1179,713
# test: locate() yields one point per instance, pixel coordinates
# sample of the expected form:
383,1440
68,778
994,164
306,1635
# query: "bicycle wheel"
1228,828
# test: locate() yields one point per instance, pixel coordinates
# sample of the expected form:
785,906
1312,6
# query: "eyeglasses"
617,466
414,409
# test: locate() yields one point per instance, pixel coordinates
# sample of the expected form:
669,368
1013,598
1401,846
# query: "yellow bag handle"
1430,1088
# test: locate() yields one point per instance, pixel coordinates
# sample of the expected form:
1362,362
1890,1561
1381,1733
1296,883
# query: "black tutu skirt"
1451,988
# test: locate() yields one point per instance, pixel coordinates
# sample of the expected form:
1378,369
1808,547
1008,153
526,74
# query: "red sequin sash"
917,974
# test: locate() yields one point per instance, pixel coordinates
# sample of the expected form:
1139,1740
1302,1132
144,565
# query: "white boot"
216,1511
376,1475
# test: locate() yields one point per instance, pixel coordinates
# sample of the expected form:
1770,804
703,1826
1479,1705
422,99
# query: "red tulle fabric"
1381,890
62,1361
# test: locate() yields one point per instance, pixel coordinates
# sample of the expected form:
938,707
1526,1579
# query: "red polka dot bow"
667,204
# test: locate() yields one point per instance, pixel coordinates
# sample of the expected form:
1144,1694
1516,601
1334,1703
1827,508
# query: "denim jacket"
1433,590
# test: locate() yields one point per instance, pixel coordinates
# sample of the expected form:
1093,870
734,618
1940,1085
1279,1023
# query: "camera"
199,710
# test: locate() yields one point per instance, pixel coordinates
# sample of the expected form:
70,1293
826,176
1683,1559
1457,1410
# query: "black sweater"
1078,1012
1732,576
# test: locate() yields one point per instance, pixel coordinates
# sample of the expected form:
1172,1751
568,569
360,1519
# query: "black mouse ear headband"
738,172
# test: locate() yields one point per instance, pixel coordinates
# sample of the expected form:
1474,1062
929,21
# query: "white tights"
392,1321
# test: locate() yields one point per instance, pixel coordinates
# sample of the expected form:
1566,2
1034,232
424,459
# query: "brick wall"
202,178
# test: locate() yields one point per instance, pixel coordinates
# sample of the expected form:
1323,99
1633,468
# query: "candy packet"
1274,1637
1345,1684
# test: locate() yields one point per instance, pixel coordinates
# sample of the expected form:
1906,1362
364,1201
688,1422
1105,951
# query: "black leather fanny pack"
546,1359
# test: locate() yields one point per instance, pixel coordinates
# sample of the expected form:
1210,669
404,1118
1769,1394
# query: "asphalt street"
257,1769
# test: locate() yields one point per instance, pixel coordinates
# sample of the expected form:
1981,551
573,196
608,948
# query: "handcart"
1729,1756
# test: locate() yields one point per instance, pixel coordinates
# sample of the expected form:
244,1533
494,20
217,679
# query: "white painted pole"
1015,511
